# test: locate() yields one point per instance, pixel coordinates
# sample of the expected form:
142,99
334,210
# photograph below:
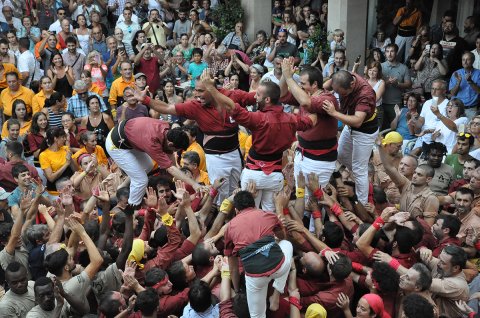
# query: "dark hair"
71,39
341,268
153,276
15,267
407,238
191,129
52,133
314,75
379,195
343,79
178,137
333,234
272,90
451,222
89,98
200,255
243,200
464,191
109,306
200,296
240,305
18,169
177,275
135,36
387,278
3,41
475,161
14,109
24,43
415,306
53,99
437,146
159,238
459,257
53,56
56,261
424,276
392,45
34,128
123,193
147,301
192,156
15,147
42,281
197,50
12,74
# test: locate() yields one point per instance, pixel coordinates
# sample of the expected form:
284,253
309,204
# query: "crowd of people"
151,169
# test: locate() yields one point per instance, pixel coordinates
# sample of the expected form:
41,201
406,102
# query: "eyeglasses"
82,94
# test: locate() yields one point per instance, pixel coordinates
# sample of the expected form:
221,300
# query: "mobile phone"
427,47
226,81
358,59
53,32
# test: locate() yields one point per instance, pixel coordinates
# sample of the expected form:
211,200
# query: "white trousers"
257,287
266,186
226,165
354,150
136,164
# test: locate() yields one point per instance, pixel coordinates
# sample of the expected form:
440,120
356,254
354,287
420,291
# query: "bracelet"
147,100
378,223
286,211
316,214
225,274
226,206
394,264
318,194
295,302
213,192
300,193
322,253
336,209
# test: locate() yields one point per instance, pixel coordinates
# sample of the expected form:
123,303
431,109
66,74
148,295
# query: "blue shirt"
402,127
23,33
109,78
16,196
465,92
195,70
79,108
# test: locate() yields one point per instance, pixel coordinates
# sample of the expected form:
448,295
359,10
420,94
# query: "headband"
83,155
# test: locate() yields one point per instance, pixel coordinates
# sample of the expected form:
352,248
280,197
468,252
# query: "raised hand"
151,200
288,67
343,301
283,197
207,79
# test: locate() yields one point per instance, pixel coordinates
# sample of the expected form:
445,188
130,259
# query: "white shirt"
476,63
5,3
17,23
121,18
79,10
447,136
55,26
431,121
28,63
270,77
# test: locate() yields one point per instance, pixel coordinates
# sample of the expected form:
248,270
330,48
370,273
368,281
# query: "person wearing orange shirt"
191,160
408,20
4,69
191,131
118,85
46,90
45,48
14,91
89,140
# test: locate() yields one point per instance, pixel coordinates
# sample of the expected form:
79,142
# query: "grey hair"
79,84
36,232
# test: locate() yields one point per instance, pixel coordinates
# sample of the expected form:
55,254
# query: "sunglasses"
466,135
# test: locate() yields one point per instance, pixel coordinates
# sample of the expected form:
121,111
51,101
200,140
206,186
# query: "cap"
4,194
316,311
392,137
138,75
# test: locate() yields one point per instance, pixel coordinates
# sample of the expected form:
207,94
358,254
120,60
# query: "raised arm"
300,95
220,99
155,104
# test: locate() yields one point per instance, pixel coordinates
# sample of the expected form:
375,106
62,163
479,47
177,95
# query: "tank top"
101,130
62,85
54,120
375,88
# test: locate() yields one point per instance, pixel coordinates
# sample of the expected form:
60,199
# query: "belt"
119,139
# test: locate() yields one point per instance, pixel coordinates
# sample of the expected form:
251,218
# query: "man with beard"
182,26
469,167
465,84
453,46
273,131
445,230
449,283
48,298
465,210
471,30
443,173
131,108
20,299
73,58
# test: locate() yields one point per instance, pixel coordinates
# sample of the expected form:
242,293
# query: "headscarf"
138,249
376,303
392,137
316,311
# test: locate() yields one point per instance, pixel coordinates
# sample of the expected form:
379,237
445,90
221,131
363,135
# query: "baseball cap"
4,194
392,137
138,75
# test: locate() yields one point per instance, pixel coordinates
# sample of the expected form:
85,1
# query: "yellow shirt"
7,99
116,91
198,149
7,68
38,101
99,152
203,178
23,130
248,145
53,160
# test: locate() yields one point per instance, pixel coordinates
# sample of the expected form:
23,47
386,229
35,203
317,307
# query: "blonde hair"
338,32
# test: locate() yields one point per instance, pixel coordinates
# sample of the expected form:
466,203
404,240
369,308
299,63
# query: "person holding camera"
155,29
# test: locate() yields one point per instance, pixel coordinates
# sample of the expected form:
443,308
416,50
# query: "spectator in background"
236,40
476,53
407,20
465,84
472,31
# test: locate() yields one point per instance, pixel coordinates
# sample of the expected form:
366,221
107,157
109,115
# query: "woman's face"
286,17
12,38
434,50
373,72
412,103
61,140
239,27
376,56
67,122
325,8
452,110
260,38
86,79
253,73
85,161
14,132
272,41
208,39
57,60
42,121
380,36
184,41
47,84
20,111
61,104
91,143
141,38
27,23
363,309
234,81
94,105
169,88
81,21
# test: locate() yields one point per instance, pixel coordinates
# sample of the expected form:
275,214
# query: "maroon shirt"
149,135
448,241
151,70
273,130
6,177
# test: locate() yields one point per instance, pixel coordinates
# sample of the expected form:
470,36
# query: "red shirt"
448,241
149,135
169,305
151,70
273,130
6,177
